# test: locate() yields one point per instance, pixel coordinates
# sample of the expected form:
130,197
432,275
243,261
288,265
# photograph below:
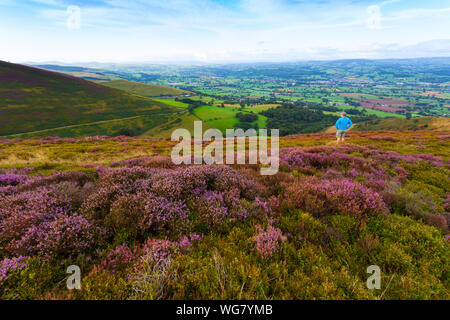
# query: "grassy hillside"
397,124
33,99
141,227
421,123
143,89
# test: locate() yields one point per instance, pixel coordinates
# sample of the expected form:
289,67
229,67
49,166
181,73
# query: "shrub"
302,226
27,213
118,259
32,278
214,209
416,200
134,215
267,241
103,285
11,265
321,198
126,132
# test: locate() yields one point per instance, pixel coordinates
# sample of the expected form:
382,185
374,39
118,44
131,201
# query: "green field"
380,114
209,113
143,89
223,118
172,102
186,121
216,117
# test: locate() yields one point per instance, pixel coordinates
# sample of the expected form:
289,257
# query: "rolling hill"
35,100
143,89
81,72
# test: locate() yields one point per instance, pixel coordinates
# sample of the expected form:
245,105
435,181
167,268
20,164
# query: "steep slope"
143,89
33,99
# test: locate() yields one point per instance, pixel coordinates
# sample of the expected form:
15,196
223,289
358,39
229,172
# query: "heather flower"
385,138
41,222
263,204
130,162
10,265
118,258
157,250
336,196
215,207
322,159
161,212
21,211
353,173
67,236
186,241
14,177
267,242
446,204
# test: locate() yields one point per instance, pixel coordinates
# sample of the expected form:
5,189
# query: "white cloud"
420,13
55,3
205,30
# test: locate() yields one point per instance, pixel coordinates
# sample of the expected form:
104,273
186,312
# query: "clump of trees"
246,117
245,121
127,132
291,119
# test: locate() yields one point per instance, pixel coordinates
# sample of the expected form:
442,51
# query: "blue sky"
220,30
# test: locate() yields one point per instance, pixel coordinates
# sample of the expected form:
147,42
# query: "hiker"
342,125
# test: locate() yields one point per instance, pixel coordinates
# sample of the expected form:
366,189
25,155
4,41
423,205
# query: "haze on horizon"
209,31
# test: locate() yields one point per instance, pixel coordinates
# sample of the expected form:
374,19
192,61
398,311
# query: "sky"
211,31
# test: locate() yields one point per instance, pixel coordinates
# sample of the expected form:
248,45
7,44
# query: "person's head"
343,114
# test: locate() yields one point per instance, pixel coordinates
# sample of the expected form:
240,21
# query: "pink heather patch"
267,242
10,265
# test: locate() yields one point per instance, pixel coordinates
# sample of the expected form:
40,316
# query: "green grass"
208,113
143,89
223,124
225,118
421,123
380,114
172,102
211,117
260,107
137,124
262,121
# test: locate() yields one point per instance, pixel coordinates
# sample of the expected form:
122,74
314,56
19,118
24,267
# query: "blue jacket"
343,123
